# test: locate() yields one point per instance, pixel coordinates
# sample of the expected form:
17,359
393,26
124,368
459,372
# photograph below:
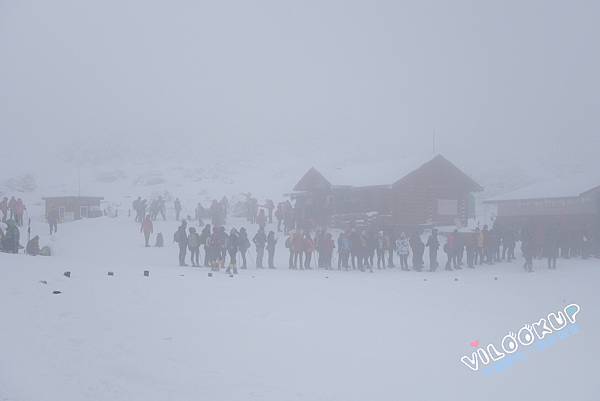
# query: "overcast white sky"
490,77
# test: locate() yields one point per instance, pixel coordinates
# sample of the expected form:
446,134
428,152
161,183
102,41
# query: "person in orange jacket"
147,228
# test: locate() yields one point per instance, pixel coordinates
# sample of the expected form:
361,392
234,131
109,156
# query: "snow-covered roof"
378,173
373,174
570,187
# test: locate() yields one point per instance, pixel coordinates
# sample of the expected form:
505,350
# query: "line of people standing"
221,247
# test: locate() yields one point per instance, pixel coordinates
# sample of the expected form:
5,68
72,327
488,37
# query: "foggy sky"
500,78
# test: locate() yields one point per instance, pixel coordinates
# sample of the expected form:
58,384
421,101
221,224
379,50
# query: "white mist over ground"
274,335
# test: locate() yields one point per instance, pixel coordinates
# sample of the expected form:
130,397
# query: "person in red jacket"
12,203
19,211
147,228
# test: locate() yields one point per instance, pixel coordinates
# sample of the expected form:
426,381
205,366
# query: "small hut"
70,208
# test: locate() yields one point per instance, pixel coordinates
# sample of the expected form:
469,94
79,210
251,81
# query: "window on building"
447,207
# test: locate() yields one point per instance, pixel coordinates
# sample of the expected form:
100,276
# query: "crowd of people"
143,208
222,249
356,248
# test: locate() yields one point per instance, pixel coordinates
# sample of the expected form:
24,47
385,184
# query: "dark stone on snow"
43,282
231,275
67,274
455,279
56,292
495,278
209,274
146,273
111,273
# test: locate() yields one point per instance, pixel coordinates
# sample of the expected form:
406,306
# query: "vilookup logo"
526,336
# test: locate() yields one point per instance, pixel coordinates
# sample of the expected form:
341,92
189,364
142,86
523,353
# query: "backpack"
159,240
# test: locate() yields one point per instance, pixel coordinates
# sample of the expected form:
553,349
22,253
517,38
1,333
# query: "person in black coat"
52,220
33,246
433,244
271,243
10,241
417,247
177,208
181,239
260,240
551,245
508,242
527,249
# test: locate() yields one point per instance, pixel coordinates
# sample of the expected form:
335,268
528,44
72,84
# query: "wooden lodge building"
573,203
434,193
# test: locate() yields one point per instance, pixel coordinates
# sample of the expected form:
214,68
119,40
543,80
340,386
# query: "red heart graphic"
475,344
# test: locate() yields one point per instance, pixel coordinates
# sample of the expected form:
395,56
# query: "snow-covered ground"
274,335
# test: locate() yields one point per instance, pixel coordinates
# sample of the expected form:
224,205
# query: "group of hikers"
221,247
263,214
153,208
359,250
216,213
365,250
12,209
356,248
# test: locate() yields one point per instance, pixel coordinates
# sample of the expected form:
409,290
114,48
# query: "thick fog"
493,81
303,200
